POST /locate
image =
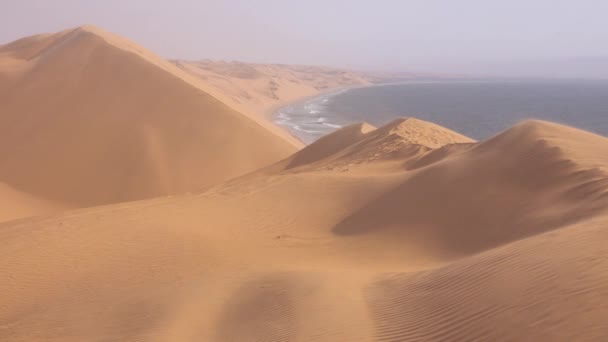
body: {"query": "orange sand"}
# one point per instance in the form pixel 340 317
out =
pixel 408 232
pixel 89 118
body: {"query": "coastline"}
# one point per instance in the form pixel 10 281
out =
pixel 269 114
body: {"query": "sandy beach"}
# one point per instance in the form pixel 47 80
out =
pixel 153 200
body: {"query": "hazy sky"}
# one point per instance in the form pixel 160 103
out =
pixel 480 36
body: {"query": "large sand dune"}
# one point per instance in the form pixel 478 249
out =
pixel 408 232
pixel 89 118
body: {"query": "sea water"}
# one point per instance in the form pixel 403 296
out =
pixel 478 109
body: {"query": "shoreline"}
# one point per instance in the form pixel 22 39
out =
pixel 269 113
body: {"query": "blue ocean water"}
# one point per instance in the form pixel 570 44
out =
pixel 479 109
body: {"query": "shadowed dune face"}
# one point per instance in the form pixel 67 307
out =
pixel 261 310
pixel 505 192
pixel 329 145
pixel 360 144
pixel 436 240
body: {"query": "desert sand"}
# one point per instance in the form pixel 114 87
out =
pixel 406 232
pixel 89 118
pixel 367 234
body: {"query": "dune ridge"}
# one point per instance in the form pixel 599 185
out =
pixel 89 118
pixel 436 238
pixel 361 143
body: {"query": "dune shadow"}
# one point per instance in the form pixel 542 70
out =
pixel 467 205
pixel 260 310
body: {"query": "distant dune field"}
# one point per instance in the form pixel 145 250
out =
pixel 406 232
pixel 258 88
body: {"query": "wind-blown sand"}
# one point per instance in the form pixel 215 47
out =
pixel 403 233
pixel 406 232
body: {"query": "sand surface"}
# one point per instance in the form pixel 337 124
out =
pixel 90 118
pixel 406 232
pixel 367 234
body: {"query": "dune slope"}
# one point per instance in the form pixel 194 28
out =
pixel 432 239
pixel 89 118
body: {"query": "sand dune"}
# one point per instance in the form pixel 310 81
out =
pixel 408 232
pixel 90 118
pixel 15 204
pixel 361 143
pixel 259 88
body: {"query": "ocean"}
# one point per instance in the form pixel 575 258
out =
pixel 478 109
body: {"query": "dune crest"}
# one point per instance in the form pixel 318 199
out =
pixel 435 238
pixel 89 118
pixel 360 144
